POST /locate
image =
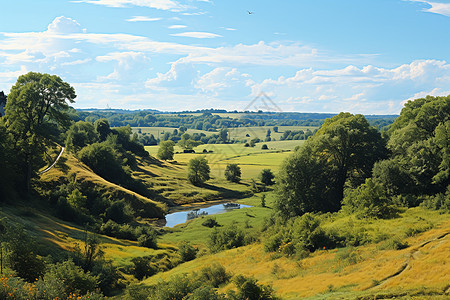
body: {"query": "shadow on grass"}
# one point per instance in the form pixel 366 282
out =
pixel 226 193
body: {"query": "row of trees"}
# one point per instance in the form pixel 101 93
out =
pixel 347 157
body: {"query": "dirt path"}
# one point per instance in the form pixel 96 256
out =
pixel 54 163
pixel 407 264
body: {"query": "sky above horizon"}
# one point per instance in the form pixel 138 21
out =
pixel 360 56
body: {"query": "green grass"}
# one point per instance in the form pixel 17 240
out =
pixel 252 160
pixel 197 234
pixel 239 133
pixel 334 274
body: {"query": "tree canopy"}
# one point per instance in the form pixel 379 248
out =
pixel 198 170
pixel 36 104
pixel 165 151
pixel 342 153
pixel 419 145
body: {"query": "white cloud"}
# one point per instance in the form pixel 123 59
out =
pixel 142 19
pixel 157 4
pixel 225 82
pixel 177 26
pixel 64 25
pixel 366 90
pixel 197 35
pixel 436 7
pixel 76 62
pixel 129 66
pixel 179 79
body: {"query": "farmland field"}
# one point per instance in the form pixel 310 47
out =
pixel 251 159
pixel 239 133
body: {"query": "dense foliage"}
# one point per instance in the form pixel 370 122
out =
pixel 341 154
pixel 233 173
pixel 36 106
pixel 198 170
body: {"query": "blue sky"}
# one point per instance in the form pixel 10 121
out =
pixel 361 56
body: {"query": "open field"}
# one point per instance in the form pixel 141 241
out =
pixel 239 133
pixel 251 160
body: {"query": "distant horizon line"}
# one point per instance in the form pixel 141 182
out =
pixel 218 110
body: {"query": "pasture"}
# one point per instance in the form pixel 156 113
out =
pixel 238 133
pixel 252 160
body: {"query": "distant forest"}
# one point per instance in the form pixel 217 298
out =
pixel 209 120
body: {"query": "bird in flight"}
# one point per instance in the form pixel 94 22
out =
pixel 250 12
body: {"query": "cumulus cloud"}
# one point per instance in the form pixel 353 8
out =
pixel 179 79
pixel 225 82
pixel 142 19
pixel 127 65
pixel 366 90
pixel 64 25
pixel 197 35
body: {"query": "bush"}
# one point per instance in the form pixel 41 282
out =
pixel 143 267
pixel 226 238
pixel 393 244
pixel 249 288
pixel 264 147
pixel 299 236
pixel 187 252
pixel 148 240
pixel 103 159
pixel 214 275
pixel 73 278
pixel 210 222
pixel 120 212
pixel 370 200
pixel 165 151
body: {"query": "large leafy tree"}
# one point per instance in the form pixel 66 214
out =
pixel 165 151
pixel 341 154
pixel 36 104
pixel 419 144
pixel 198 170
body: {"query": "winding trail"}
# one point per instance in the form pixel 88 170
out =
pixel 407 264
pixel 54 163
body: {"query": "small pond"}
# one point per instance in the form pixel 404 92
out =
pixel 182 216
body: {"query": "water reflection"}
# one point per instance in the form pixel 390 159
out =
pixel 182 216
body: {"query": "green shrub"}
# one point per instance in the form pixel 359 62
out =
pixel 210 222
pixel 214 275
pixel 370 200
pixel 249 288
pixel 187 252
pixel 74 279
pixel 393 244
pixel 148 239
pixel 143 267
pixel 226 238
pixel 267 177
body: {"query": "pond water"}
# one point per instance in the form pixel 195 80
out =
pixel 182 216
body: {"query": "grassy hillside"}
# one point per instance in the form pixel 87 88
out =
pixel 375 268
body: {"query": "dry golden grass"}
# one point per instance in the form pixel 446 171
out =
pixel 427 266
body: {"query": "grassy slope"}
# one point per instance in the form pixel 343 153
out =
pixel 325 274
pixel 69 164
pixel 338 273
